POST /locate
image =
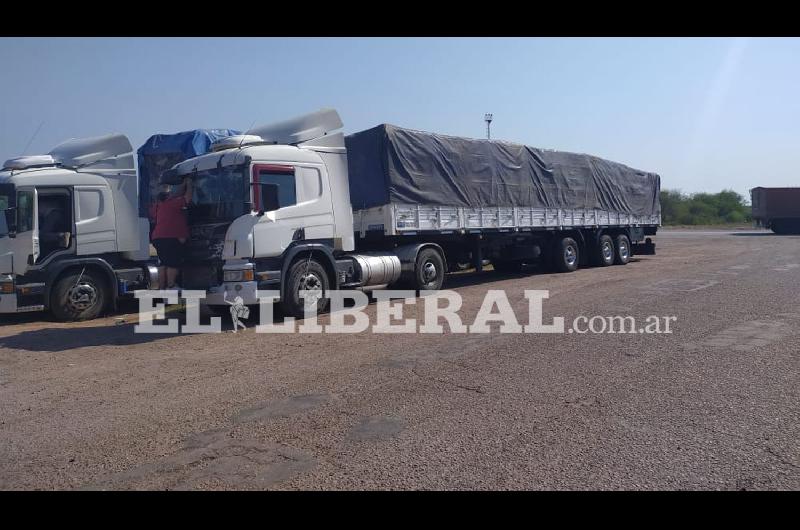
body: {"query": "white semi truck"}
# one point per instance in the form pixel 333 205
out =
pixel 296 206
pixel 273 210
pixel 71 240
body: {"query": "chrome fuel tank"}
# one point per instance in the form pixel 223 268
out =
pixel 377 269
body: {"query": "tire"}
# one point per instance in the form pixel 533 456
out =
pixel 306 274
pixel 566 255
pixel 79 296
pixel 604 252
pixel 622 250
pixel 428 271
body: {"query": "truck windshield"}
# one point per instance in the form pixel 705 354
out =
pixel 220 194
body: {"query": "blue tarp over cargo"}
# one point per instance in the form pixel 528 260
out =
pixel 162 151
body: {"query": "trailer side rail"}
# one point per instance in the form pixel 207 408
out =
pixel 398 219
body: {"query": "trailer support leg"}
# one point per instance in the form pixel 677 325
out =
pixel 477 254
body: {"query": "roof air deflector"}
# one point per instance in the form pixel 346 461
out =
pixel 300 129
pixel 112 151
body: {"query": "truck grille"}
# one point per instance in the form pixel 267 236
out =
pixel 201 277
pixel 206 242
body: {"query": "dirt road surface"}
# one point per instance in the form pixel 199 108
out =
pixel 713 405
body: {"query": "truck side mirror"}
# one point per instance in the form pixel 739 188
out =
pixel 269 197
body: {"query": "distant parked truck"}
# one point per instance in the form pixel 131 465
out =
pixel 777 209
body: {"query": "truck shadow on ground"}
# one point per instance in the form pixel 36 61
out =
pixel 487 277
pixel 66 337
pixel 120 330
pixel 472 277
pixel 762 234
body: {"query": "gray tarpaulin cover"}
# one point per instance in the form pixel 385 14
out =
pixel 391 164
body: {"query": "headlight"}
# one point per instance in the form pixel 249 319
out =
pixel 238 276
pixel 6 285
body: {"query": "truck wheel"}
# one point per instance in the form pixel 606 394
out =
pixel 604 254
pixel 429 270
pixel 622 246
pixel 565 255
pixel 305 275
pixel 78 296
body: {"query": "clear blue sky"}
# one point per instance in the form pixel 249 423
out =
pixel 706 114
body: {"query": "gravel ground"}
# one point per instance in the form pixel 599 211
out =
pixel 713 405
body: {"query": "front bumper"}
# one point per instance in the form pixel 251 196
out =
pixel 8 303
pixel 25 298
pixel 248 290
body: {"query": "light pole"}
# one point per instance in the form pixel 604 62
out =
pixel 488 119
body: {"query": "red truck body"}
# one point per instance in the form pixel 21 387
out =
pixel 777 209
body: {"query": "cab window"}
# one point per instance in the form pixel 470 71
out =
pixel 24 211
pixel 287 190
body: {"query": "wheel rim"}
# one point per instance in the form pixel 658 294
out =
pixel 312 285
pixel 429 272
pixel 608 251
pixel 82 296
pixel 570 255
pixel 623 249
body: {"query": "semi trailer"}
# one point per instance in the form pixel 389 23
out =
pixel 777 209
pixel 297 207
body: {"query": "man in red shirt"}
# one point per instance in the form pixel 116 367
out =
pixel 170 233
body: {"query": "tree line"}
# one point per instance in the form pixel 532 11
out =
pixel 727 206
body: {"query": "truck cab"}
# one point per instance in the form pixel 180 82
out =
pixel 70 238
pixel 262 199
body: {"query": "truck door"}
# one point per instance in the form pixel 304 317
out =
pixel 25 244
pixel 304 207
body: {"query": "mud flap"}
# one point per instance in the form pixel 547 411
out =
pixel 648 248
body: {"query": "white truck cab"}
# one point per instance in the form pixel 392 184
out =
pixel 289 182
pixel 70 237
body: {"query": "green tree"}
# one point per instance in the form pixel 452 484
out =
pixel 726 206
